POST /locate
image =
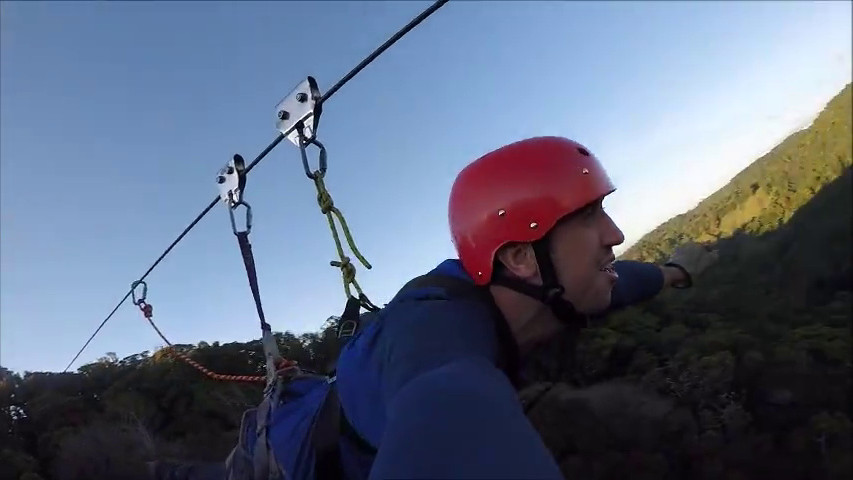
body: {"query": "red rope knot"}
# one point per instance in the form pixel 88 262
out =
pixel 285 367
pixel 147 309
pixel 285 363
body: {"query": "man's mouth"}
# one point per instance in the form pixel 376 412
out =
pixel 608 267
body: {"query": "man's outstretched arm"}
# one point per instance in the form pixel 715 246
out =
pixel 461 420
pixel 640 281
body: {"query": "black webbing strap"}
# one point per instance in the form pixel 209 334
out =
pixel 332 424
pixel 349 319
pixel 348 326
pixel 530 405
pixel 550 292
pixel 326 439
pixel 249 261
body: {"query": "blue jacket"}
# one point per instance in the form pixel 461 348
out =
pixel 420 383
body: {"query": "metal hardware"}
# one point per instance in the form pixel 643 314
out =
pixel 303 105
pixel 232 181
pixel 141 298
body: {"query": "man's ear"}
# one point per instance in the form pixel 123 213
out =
pixel 519 260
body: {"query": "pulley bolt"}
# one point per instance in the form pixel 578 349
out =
pixel 230 170
pixel 283 115
pixel 301 97
pixel 220 179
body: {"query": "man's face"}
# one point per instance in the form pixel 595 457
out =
pixel 582 252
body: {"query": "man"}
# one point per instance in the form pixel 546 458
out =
pixel 431 384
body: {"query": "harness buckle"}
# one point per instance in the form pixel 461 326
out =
pixel 347 328
pixel 553 293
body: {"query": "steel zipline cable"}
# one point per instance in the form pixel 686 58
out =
pixel 337 86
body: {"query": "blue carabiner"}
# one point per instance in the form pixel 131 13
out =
pixel 303 143
pixel 248 217
pixel 140 300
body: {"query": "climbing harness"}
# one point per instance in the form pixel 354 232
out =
pixel 349 320
pixel 327 208
pixel 232 184
pixel 299 113
pixel 284 367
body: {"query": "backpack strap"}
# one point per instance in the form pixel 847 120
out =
pixel 456 287
pixel 349 320
pixel 349 323
pixel 326 438
pixel 530 404
pixel 331 426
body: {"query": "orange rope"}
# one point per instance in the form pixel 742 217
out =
pixel 284 366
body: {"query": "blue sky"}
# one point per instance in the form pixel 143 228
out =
pixel 116 116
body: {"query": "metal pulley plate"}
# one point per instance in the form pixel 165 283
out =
pixel 231 181
pixel 300 105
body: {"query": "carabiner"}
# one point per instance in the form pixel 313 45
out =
pixel 248 217
pixel 323 157
pixel 140 300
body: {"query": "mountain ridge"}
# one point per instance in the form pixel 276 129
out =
pixel 836 114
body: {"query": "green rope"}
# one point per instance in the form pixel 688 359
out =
pixel 327 207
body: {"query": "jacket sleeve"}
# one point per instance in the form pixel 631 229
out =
pixel 450 412
pixel 461 420
pixel 638 282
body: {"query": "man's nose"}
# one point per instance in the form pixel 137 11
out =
pixel 612 234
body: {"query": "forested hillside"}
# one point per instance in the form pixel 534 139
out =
pixel 747 375
pixel 765 195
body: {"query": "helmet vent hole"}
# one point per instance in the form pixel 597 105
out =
pixel 583 151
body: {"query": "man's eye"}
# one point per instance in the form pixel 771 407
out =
pixel 593 210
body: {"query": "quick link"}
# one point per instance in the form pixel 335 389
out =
pixel 248 217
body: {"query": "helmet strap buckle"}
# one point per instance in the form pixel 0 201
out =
pixel 553 293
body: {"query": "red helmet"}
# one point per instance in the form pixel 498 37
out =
pixel 517 193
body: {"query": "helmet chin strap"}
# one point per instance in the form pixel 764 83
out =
pixel 550 292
